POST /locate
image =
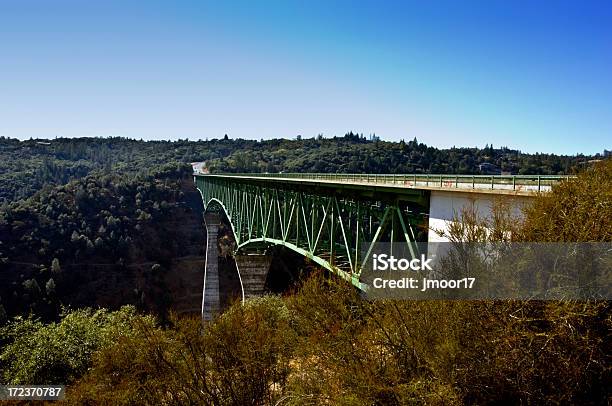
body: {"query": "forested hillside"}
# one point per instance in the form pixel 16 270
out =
pixel 106 239
pixel 27 166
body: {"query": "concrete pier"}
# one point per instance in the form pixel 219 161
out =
pixel 210 290
pixel 253 270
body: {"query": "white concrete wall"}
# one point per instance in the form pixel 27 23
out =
pixel 444 205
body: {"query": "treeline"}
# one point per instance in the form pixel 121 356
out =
pixel 27 166
pixel 348 155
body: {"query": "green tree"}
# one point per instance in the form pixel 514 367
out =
pixel 50 287
pixel 32 288
pixel 55 266
pixel 156 269
pixel 3 315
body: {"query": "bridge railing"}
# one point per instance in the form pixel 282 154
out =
pixel 534 183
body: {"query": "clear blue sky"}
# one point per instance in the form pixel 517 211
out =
pixel 533 75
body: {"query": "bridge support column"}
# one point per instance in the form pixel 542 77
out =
pixel 210 291
pixel 253 270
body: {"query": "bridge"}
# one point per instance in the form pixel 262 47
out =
pixel 335 220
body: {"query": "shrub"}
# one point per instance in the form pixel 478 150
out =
pixel 58 353
pixel 240 358
pixel 577 210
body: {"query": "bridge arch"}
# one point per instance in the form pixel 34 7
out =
pixel 216 202
pixel 335 227
pixel 245 245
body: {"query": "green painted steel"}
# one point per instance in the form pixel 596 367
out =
pixel 336 225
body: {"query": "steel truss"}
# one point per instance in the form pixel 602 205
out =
pixel 335 228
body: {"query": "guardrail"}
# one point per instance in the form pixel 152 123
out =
pixel 491 182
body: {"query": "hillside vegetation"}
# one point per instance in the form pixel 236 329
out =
pixel 324 344
pixel 103 239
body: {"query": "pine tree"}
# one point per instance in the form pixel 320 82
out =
pixel 55 266
pixel 50 287
pixel 3 315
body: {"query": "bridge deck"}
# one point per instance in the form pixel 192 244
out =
pixel 497 184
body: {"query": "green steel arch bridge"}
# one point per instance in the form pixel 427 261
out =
pixel 336 219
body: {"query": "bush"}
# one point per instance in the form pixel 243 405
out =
pixel 324 344
pixel 577 210
pixel 58 353
pixel 241 358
